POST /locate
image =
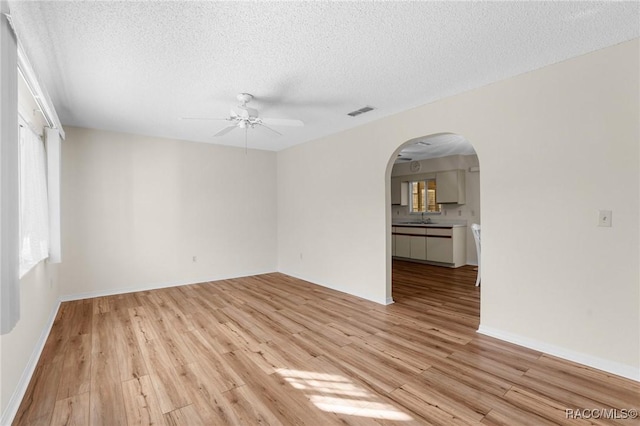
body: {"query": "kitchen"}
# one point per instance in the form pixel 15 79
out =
pixel 435 197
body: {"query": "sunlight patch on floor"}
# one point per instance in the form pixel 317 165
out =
pixel 337 394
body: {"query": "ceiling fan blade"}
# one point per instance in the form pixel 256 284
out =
pixel 282 122
pixel 202 118
pixel 262 126
pixel 225 130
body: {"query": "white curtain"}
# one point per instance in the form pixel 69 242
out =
pixel 9 212
pixel 34 207
pixel 52 143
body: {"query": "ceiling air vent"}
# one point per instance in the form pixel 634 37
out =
pixel 361 111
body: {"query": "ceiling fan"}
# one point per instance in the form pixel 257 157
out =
pixel 248 118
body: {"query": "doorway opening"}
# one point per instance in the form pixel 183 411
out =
pixel 434 188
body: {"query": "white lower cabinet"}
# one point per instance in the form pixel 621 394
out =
pixel 411 243
pixel 403 246
pixel 446 246
pixel 418 248
pixel 440 249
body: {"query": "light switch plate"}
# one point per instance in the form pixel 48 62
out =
pixel 604 218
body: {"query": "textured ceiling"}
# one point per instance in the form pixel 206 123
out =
pixel 138 66
pixel 435 146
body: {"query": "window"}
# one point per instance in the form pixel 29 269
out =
pixel 34 214
pixel 423 196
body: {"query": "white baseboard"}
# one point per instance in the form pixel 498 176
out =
pixel 14 403
pixel 146 287
pixel 612 367
pixel 386 301
pixel 21 388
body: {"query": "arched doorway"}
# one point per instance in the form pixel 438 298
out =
pixel 433 224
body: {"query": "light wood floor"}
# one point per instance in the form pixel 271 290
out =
pixel 272 349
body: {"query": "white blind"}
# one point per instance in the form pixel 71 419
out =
pixel 34 206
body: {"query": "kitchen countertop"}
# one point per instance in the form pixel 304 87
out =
pixel 429 225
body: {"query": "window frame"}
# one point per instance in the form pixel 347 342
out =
pixel 426 190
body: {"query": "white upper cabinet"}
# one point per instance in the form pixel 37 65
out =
pixel 450 187
pixel 399 192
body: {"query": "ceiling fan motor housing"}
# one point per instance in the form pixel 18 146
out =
pixel 243 98
pixel 246 112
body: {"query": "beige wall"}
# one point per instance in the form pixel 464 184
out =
pixel 20 348
pixel 555 145
pixel 135 210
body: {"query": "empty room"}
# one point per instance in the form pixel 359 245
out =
pixel 318 213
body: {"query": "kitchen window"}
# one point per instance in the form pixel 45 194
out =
pixel 423 197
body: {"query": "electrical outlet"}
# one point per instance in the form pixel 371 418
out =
pixel 604 218
pixel 459 212
pixel 195 259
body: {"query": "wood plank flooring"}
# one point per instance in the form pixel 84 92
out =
pixel 275 350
